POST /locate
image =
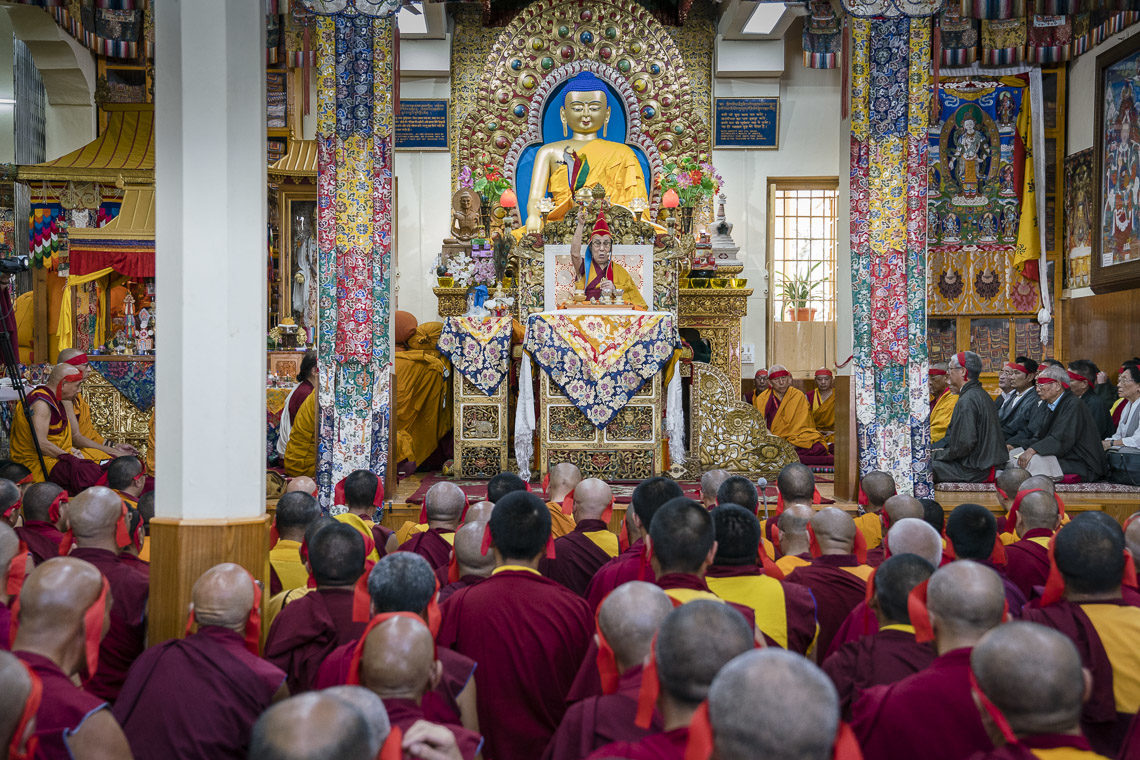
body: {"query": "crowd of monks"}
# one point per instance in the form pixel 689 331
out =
pixel 522 627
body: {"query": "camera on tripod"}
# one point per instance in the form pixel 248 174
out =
pixel 13 264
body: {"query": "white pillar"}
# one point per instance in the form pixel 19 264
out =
pixel 211 265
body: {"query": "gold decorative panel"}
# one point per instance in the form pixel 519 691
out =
pixel 567 423
pixel 634 423
pixel 481 425
pixel 114 416
pixel 718 314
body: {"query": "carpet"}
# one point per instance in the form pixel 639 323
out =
pixel 1060 488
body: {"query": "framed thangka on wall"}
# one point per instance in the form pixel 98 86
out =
pixel 1078 218
pixel 1116 242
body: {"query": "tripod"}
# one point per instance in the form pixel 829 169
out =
pixel 11 367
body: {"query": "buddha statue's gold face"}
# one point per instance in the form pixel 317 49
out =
pixel 585 112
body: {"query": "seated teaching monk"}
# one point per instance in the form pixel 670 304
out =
pixel 63 610
pixel 1068 441
pixel 892 653
pixel 443 507
pixel 974 444
pixel 788 415
pixel 422 383
pixel 942 401
pixel 627 624
pixel 85 436
pixel 199 696
pixel 695 641
pixel 362 494
pixel 581 553
pixel 598 274
pixel 821 401
pixel 564 478
pixel 468 565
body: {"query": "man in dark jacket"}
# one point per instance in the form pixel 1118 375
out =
pixel 1069 433
pixel 974 443
pixel 1082 378
pixel 1020 414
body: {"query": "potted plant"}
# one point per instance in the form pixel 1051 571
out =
pixel 797 290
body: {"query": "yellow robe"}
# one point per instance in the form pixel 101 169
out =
pixel 301 452
pixel 560 524
pixel 793 421
pixel 871 526
pixel 364 527
pixel 409 529
pixel 940 415
pixel 87 429
pixel 150 445
pixel 622 281
pixel 23 450
pixel 25 324
pixel 423 416
pixel 613 164
pixel 823 414
pixel 285 558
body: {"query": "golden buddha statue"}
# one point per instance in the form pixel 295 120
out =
pixel 563 167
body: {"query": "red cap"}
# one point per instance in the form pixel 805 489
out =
pixel 77 361
pixel 778 374
pixel 600 226
pixel 824 372
pixel 27 713
pixel 919 615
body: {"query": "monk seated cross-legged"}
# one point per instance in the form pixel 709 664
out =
pixel 200 696
pixel 85 435
pixel 315 726
pixel 1027 560
pixel 627 623
pixel 363 494
pixel 564 478
pixel 582 552
pixel 468 565
pixel 821 401
pixel 792 538
pixel 971 533
pixel 443 507
pixel 41 503
pixel 788 415
pixel 295 511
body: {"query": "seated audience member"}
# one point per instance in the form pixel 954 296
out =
pixel 1123 444
pixel 627 624
pixel 582 552
pixel 1082 378
pixel 942 401
pixel 1007 483
pixel 773 704
pixel 199 696
pixel 443 507
pixel 310 627
pixel 934 515
pixel 1102 621
pixel 785 612
pixel 398 664
pixel 421 417
pixel 792 538
pixel 710 483
pixel 1020 415
pixel 62 609
pixel 315 726
pixel 821 401
pixel 794 485
pixel 294 513
pixel 972 534
pixel 468 565
pixel 759 384
pixel 564 478
pixel 741 491
pixel 1027 560
pixel 1032 483
pixel 695 641
pixel 892 653
pixel 528 633
pixel 127 477
pixel 898 507
pixel 307 378
pixel 503 484
pixel 788 416
pixel 363 495
pixel 1067 441
pixel 974 444
pixel 837 577
pixel 42 502
pixel 9 502
pixel 964 600
pixel 1038 698
pixel 876 486
pixel 301 450
pixel 20 699
pixel 15 563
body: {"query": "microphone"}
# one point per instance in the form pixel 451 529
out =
pixel 762 487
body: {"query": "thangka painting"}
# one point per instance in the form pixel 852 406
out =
pixel 1116 244
pixel 1078 218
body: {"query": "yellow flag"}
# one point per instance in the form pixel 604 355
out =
pixel 1028 236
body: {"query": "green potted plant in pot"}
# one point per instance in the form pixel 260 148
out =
pixel 797 290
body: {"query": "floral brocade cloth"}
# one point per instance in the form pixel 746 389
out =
pixel 135 380
pixel 479 349
pixel 600 360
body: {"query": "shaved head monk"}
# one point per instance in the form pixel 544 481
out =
pixel 310 627
pixel 295 510
pixel 444 505
pixel 503 484
pixel 95 517
pixel 1027 560
pixel 710 484
pixel 877 486
pixel 564 480
pixel 1100 618
pixel 627 621
pixel 528 633
pixel 895 508
pixel 964 600
pixel 57 641
pixel 39 530
pixel 371 707
pixel 398 663
pixel 313 726
pixel 796 487
pixel 11 562
pixel 772 704
pixel 1040 696
pixel 972 533
pixel 785 612
pixel 15 472
pixel 582 552
pixel 471 565
pixel 695 641
pixel 9 501
pixel 363 494
pixel 480 511
pixel 836 576
pixel 792 537
pixel 1007 528
pixel 633 563
pixel 892 653
pixel 303 484
pixel 1007 483
pixel 200 696
pixel 16 727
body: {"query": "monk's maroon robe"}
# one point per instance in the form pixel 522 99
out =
pixel 577 558
pixel 877 556
pixel 930 715
pixel 1102 724
pixel 1027 562
pixel 404 712
pixel 42 538
pixel 630 565
pixel 600 720
pixel 1131 748
pixel 799 605
pixel 860 622
pixel 1078 746
pixel 529 636
pixel 669 745
pixel 74 474
pixel 307 630
pixel 196 697
pixel 885 657
pixel 380 536
pixel 447 589
pixel 836 592
pixel 63 708
pixel 431 545
pixel 126 638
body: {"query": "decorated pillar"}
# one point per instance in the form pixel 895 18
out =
pixel 890 101
pixel 354 42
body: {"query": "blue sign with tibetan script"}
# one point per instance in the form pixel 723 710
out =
pixel 747 123
pixel 422 125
